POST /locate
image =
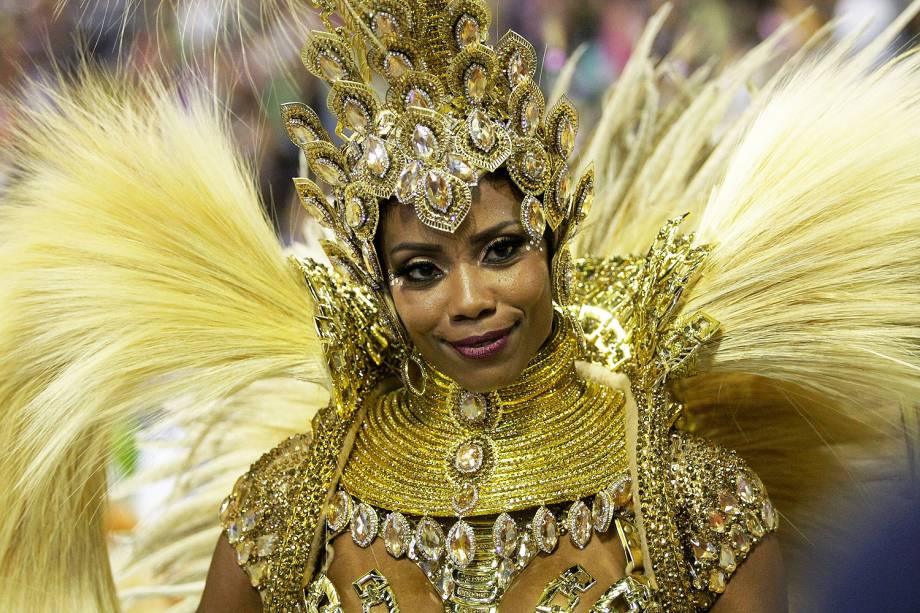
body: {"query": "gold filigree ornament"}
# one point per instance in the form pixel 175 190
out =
pixel 424 106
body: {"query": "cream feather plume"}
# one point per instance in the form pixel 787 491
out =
pixel 814 276
pixel 811 200
pixel 136 268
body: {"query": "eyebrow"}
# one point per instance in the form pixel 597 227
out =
pixel 479 237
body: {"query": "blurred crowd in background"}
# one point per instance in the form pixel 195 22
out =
pixel 38 35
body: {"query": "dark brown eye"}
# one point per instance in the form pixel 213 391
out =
pixel 504 249
pixel 419 272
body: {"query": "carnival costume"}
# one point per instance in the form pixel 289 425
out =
pixel 139 273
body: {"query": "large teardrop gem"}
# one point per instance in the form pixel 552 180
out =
pixel 424 141
pixel 517 69
pixel 602 511
pixel 482 131
pixel 545 530
pixel 461 545
pixel 437 190
pixel 396 534
pixel 407 185
pixel 303 135
pixel 354 213
pixel 467 30
pixel 339 511
pixel 364 525
pixel 459 168
pixel 530 116
pixel 356 115
pixel 397 64
pixel 505 535
pixel 331 67
pixel 565 136
pixel 621 491
pixel 475 81
pixel 384 24
pixel 376 156
pixel 328 171
pixel 429 539
pixel 527 549
pixel 419 98
pixel 579 524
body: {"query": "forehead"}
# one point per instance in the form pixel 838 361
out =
pixel 494 201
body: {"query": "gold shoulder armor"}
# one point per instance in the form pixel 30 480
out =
pixel 254 515
pixel 724 512
pixel 628 309
pixel 357 345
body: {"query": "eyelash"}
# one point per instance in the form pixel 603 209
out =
pixel 515 242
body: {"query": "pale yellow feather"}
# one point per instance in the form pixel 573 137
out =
pixel 136 267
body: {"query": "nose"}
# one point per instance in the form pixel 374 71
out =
pixel 470 297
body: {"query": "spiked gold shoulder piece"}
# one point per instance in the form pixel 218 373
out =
pixel 424 106
pixel 357 342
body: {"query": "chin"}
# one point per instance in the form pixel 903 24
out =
pixel 487 379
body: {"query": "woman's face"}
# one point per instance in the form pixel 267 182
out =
pixel 476 303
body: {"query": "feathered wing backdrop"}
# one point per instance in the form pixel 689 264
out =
pixel 810 199
pixel 137 274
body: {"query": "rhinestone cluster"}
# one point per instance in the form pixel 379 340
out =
pixel 505 547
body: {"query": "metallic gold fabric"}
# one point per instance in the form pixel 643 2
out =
pixel 557 439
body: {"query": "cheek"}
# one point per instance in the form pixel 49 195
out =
pixel 418 310
pixel 528 285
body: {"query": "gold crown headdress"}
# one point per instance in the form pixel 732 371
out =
pixel 453 108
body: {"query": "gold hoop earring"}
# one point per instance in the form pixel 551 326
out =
pixel 406 375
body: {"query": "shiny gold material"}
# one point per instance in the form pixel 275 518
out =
pixel 544 415
pixel 374 590
pixel 693 496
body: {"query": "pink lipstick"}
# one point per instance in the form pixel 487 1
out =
pixel 484 345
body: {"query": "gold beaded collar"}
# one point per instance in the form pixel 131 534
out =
pixel 547 438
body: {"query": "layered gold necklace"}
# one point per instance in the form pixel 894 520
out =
pixel 548 438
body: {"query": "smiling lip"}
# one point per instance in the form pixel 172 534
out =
pixel 483 346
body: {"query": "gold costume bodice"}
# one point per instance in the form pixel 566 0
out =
pixel 518 500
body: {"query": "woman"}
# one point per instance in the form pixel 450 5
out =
pixel 478 306
pixel 501 418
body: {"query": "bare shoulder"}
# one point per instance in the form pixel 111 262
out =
pixel 253 518
pixel 228 587
pixel 759 584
